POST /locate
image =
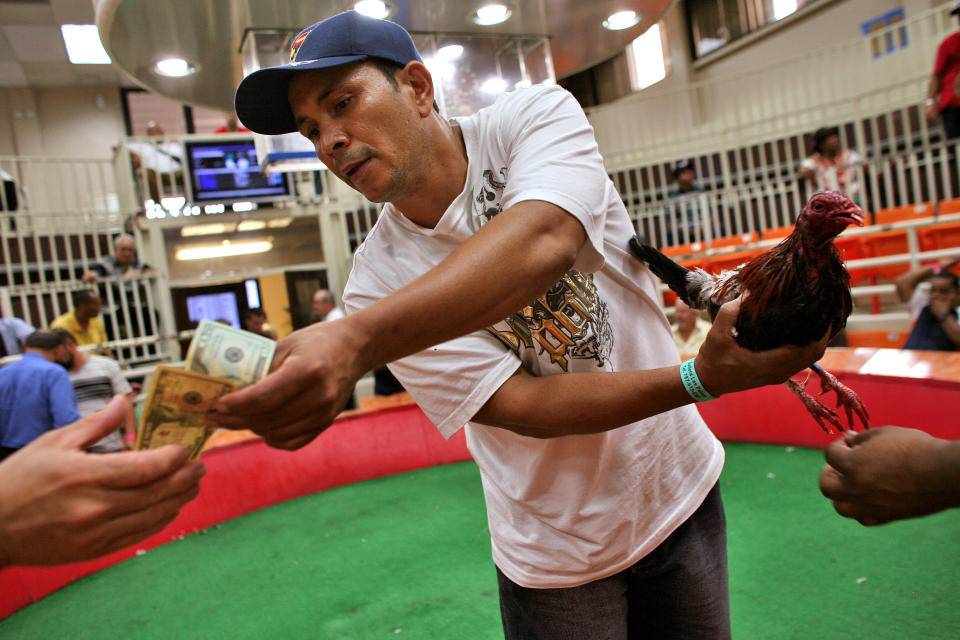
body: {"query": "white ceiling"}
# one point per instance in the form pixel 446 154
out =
pixel 32 53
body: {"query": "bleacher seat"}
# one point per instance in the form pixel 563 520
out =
pixel 888 243
pixel 945 235
pixel 777 233
pixel 877 339
pixel 948 207
pixel 854 248
pixel 907 212
pixel 733 241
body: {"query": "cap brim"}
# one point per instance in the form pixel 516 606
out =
pixel 261 99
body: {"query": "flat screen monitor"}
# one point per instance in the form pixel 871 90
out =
pixel 214 306
pixel 226 171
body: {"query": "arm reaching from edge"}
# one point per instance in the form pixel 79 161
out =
pixel 59 504
pixel 594 402
pixel 532 243
pixel 891 473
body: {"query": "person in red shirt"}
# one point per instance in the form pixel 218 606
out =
pixel 230 126
pixel 942 98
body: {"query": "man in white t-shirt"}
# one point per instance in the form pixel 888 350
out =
pixel 96 380
pixel 324 308
pixel 831 167
pixel 498 284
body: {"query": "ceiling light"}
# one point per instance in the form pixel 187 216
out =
pixel 440 68
pixel 83 44
pixel 174 67
pixel 494 85
pixel 450 52
pixel 207 229
pixel 224 250
pixel 251 225
pixel 372 9
pixel 491 14
pixel 622 20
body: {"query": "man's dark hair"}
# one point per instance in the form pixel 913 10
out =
pixel 65 336
pixel 82 297
pixel 952 277
pixel 45 339
pixel 389 69
pixel 251 313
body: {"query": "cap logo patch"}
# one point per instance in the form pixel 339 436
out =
pixel 297 43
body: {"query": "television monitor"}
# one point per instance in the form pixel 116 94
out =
pixel 226 171
pixel 214 306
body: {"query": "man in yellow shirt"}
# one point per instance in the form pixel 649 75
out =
pixel 84 321
pixel 689 329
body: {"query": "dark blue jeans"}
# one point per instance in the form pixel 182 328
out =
pixel 678 591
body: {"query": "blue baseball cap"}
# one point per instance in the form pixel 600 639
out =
pixel 261 99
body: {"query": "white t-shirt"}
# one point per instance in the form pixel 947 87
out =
pixel 333 314
pixel 95 384
pixel 562 511
pixel 840 174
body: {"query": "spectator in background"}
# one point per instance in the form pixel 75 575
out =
pixel 83 321
pixel 13 331
pixel 689 329
pixel 35 394
pixel 687 211
pixel 934 314
pixel 96 380
pixel 942 101
pixel 324 308
pixel 160 160
pixel 230 125
pixel 830 167
pixel 255 321
pixel 59 504
pixel 123 263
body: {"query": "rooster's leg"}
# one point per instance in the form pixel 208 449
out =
pixel 846 398
pixel 817 409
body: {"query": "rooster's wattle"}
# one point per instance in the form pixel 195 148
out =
pixel 794 294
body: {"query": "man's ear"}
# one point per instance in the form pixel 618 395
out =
pixel 418 78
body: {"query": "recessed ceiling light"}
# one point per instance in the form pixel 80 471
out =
pixel 207 229
pixel 494 85
pixel 622 20
pixel 373 8
pixel 450 52
pixel 174 67
pixel 252 225
pixel 492 14
pixel 224 250
pixel 83 44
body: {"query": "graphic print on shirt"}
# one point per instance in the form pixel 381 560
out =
pixel 569 322
pixel 487 201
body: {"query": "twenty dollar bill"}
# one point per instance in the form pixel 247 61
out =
pixel 221 351
pixel 177 404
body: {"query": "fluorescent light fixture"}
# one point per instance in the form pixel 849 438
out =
pixel 450 52
pixel 783 8
pixel 491 14
pixel 494 85
pixel 251 225
pixel 83 44
pixel 279 223
pixel 174 67
pixel 214 208
pixel 372 8
pixel 224 250
pixel 622 20
pixel 240 207
pixel 207 229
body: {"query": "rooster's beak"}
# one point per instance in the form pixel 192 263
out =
pixel 854 216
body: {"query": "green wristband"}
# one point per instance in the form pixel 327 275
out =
pixel 691 382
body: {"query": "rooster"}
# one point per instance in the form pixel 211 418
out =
pixel 795 293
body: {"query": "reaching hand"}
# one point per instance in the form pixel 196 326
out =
pixel 891 473
pixel 60 504
pixel 723 366
pixel 313 374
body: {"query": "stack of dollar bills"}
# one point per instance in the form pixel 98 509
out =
pixel 220 359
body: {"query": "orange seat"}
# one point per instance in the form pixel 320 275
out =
pixel 939 236
pixel 949 206
pixel 906 212
pixel 888 243
pixel 877 339
pixel 854 248
pixel 683 249
pixel 777 233
pixel 733 241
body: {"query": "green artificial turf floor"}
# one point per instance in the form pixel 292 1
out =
pixel 408 557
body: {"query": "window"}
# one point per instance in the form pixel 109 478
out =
pixel 716 23
pixel 646 60
pixel 883 35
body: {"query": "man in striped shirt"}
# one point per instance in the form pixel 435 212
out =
pixel 96 379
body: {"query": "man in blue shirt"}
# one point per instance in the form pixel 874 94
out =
pixel 35 393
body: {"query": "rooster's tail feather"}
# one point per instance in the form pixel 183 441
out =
pixel 674 275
